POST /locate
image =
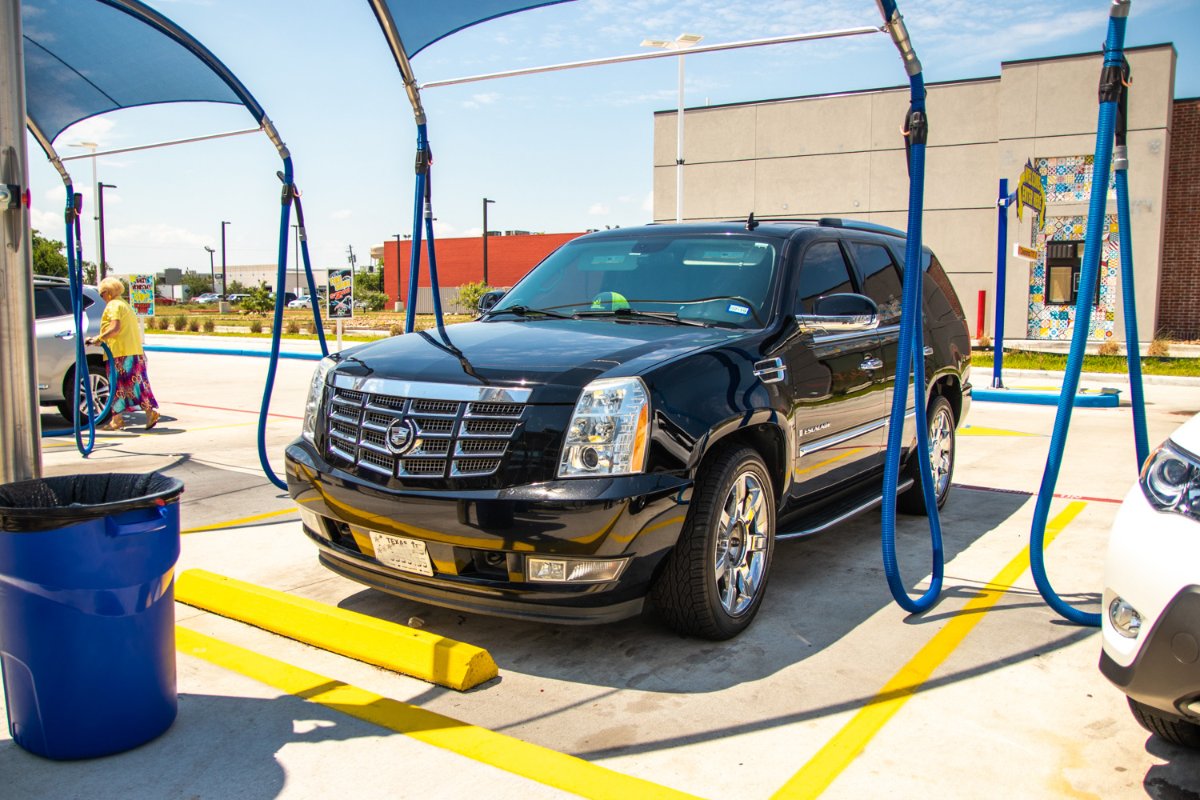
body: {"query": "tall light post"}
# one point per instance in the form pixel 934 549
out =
pixel 91 147
pixel 212 271
pixel 224 276
pixel 485 238
pixel 682 42
pixel 100 187
pixel 399 279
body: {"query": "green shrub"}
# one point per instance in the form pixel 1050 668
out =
pixel 374 301
pixel 469 294
pixel 259 299
pixel 181 322
pixel 256 326
pixel 210 325
pixel 396 330
pixel 293 327
pixel 194 325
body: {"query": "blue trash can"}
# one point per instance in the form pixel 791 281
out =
pixel 87 611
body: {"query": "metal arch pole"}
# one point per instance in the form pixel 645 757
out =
pixel 597 62
pixel 1001 281
pixel 170 143
pixel 679 149
pixel 20 422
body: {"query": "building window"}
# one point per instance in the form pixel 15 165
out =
pixel 1064 262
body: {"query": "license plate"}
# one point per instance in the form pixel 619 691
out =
pixel 409 555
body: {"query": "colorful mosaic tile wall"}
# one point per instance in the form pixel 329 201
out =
pixel 1067 179
pixel 1057 321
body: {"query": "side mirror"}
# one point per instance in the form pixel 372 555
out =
pixel 489 300
pixel 840 313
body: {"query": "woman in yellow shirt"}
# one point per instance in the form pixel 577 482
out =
pixel 119 330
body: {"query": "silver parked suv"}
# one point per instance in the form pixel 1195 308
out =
pixel 56 343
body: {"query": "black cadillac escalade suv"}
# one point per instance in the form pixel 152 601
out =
pixel 641 418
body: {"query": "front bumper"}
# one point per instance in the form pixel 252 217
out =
pixel 1165 674
pixel 478 541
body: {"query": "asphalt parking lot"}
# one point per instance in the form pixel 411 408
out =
pixel 835 690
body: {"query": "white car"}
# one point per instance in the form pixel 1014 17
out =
pixel 1151 612
pixel 304 301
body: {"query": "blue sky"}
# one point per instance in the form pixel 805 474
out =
pixel 558 152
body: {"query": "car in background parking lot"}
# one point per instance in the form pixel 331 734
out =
pixel 304 301
pixel 55 335
pixel 208 297
pixel 236 298
pixel 1151 610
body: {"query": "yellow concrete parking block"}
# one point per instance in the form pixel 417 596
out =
pixel 532 761
pixel 978 430
pixel 423 655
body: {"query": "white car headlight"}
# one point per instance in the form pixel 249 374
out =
pixel 316 393
pixel 609 430
pixel 1171 481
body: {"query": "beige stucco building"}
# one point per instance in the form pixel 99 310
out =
pixel 843 155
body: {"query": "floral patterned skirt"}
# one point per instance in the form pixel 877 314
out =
pixel 133 387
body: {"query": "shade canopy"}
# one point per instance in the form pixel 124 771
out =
pixel 87 57
pixel 421 23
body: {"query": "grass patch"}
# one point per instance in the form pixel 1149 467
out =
pixel 1057 362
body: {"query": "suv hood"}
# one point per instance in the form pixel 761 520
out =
pixel 555 358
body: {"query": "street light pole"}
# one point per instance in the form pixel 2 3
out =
pixel 91 147
pixel 682 42
pixel 296 262
pixel 485 238
pixel 224 275
pixel 100 187
pixel 212 271
pixel 398 276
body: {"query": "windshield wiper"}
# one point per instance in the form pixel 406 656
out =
pixel 631 313
pixel 525 311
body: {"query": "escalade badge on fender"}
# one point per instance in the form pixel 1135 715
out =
pixel 401 436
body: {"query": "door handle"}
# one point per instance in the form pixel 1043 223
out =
pixel 871 363
pixel 928 351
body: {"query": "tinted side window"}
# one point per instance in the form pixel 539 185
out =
pixel 881 280
pixel 46 301
pixel 822 272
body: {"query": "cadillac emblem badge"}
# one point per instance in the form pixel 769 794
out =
pixel 401 436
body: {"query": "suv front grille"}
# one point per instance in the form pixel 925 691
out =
pixel 453 438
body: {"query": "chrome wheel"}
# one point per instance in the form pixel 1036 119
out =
pixel 941 449
pixel 740 555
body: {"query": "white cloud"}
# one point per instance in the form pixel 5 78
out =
pixel 342 213
pixel 155 235
pixel 482 99
pixel 599 209
pixel 47 223
pixel 93 129
pixel 442 230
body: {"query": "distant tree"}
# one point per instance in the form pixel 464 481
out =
pixel 368 282
pixel 236 287
pixel 259 299
pixel 374 301
pixel 469 294
pixel 196 284
pixel 49 256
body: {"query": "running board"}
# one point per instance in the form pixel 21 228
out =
pixel 844 515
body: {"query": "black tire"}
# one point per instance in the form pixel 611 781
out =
pixel 698 593
pixel 1166 726
pixel 98 371
pixel 942 444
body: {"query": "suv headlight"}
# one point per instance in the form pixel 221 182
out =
pixel 608 431
pixel 1171 481
pixel 316 393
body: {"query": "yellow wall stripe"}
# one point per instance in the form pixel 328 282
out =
pixel 837 754
pixel 532 761
pixel 409 651
pixel 237 523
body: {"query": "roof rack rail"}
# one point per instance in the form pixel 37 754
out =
pixel 52 279
pixel 859 225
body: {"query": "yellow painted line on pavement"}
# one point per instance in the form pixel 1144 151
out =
pixel 532 761
pixel 420 654
pixel 240 521
pixel 840 751
pixel 979 430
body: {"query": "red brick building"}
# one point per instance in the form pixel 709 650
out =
pixel 460 261
pixel 1179 291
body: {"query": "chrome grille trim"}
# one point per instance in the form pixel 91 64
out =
pixel 461 431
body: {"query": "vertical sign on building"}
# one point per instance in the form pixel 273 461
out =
pixel 141 294
pixel 1031 195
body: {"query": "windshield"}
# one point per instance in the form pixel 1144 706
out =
pixel 717 280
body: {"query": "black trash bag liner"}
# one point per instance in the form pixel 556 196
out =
pixel 47 503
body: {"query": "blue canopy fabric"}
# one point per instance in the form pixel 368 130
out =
pixel 87 57
pixel 421 23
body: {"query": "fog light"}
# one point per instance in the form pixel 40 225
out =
pixel 573 570
pixel 1124 618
